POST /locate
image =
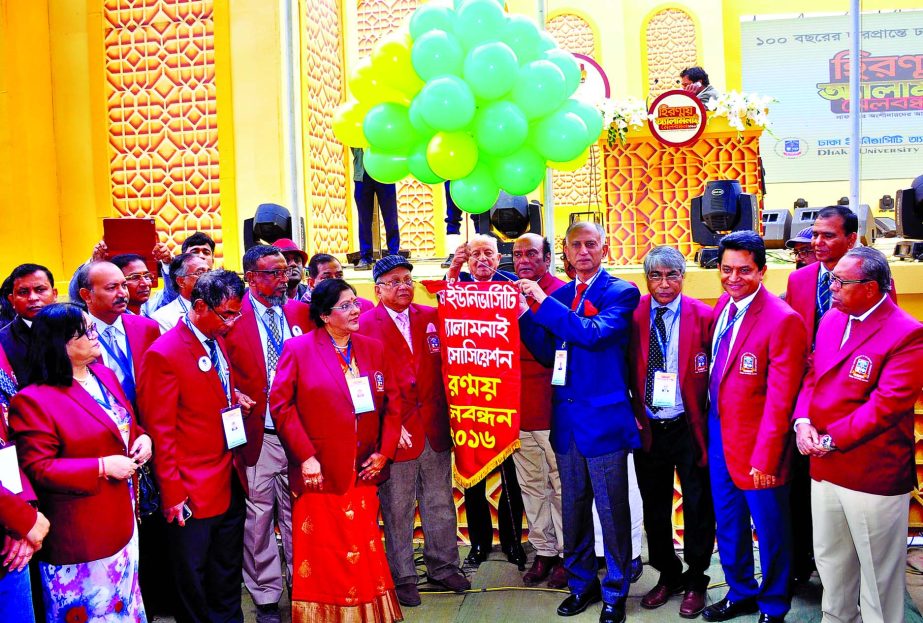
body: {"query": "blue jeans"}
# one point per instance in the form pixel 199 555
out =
pixel 16 597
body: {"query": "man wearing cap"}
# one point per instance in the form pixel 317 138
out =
pixel 801 248
pixel 422 469
pixel 254 345
pixel 296 260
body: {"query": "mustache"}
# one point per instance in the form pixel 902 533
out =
pixel 119 300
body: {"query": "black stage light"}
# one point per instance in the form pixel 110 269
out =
pixel 723 208
pixel 270 222
pixel 509 218
pixel 886 203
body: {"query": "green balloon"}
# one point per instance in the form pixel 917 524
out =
pixel 477 192
pixel 521 34
pixel 566 62
pixel 446 103
pixel 590 115
pixel 521 172
pixel 387 128
pixel 437 53
pixel 539 89
pixel 419 166
pixel 431 17
pixel 458 3
pixel 384 167
pixel 417 121
pixel 491 70
pixel 560 137
pixel 500 128
pixel 546 42
pixel 479 21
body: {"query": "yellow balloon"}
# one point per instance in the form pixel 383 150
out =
pixel 347 123
pixel 370 89
pixel 391 64
pixel 571 165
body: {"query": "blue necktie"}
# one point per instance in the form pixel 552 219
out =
pixel 216 362
pixel 122 361
pixel 823 298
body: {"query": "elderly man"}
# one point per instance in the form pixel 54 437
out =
pixel 422 470
pixel 295 259
pixel 669 355
pixel 185 271
pixel 758 357
pixel 536 466
pixel 254 345
pixel 483 260
pixel 583 330
pixel 191 410
pixel 32 289
pixel 854 418
pixel 139 280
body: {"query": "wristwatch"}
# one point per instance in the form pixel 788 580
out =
pixel 826 442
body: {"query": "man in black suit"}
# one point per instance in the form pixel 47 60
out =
pixel 33 288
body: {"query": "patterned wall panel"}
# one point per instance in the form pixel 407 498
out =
pixel 580 187
pixel 323 86
pixel 416 214
pixel 162 114
pixel 670 37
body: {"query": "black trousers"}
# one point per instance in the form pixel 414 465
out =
pixel 208 557
pixel 802 522
pixel 509 511
pixel 672 448
pixel 155 571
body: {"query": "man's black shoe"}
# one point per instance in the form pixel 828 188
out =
pixel 726 609
pixel 613 613
pixel 477 555
pixel 575 604
pixel 768 618
pixel 516 555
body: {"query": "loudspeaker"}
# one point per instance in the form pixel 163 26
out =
pixel 867 231
pixel 804 217
pixel 909 215
pixel 777 228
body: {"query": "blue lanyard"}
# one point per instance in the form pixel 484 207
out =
pixel 347 359
pixel 660 338
pixel 104 403
pixel 123 359
pixel 224 377
pixel 727 327
pixel 276 345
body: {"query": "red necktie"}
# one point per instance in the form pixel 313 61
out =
pixel 581 288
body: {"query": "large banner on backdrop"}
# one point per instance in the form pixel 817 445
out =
pixel 479 330
pixel 804 64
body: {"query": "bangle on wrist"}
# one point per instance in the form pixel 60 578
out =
pixel 103 463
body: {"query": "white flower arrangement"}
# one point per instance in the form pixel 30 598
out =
pixel 742 109
pixel 622 115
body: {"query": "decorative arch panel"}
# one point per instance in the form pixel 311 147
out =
pixel 670 47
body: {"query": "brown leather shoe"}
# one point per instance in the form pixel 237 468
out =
pixel 558 576
pixel 659 595
pixel 693 604
pixel 454 582
pixel 541 567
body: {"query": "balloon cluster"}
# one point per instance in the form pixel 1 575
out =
pixel 470 95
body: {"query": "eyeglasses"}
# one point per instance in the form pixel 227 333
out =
pixel 227 317
pixel 845 282
pixel 396 283
pixel 138 277
pixel 801 253
pixel 91 333
pixel 672 277
pixel 345 307
pixel 195 274
pixel 278 273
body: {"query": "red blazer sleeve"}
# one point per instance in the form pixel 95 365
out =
pixel 787 351
pixel 890 401
pixel 39 446
pixel 158 402
pixel 16 515
pixel 282 403
pixel 391 418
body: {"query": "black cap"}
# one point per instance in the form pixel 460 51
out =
pixel 389 263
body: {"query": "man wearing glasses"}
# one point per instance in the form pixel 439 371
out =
pixel 422 469
pixel 669 356
pixel 139 281
pixel 189 406
pixel 254 345
pixel 854 418
pixel 801 249
pixel 185 270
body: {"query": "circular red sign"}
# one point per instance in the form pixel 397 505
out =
pixel 677 118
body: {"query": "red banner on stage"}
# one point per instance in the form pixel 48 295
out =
pixel 479 330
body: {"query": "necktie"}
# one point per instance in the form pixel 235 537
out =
pixel 216 362
pixel 127 379
pixel 581 288
pixel 721 357
pixel 272 357
pixel 655 357
pixel 403 323
pixel 823 299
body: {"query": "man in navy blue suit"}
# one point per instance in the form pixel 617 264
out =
pixel 583 331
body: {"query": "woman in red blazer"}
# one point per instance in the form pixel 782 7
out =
pixel 337 411
pixel 80 445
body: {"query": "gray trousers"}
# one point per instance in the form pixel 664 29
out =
pixel 269 501
pixel 426 480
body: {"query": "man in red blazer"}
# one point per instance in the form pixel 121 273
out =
pixel 323 266
pixel 536 465
pixel 670 341
pixel 422 469
pixel 186 399
pixel 854 417
pixel 758 357
pixel 254 345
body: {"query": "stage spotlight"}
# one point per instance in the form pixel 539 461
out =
pixel 509 218
pixel 269 223
pixel 886 203
pixel 800 202
pixel 723 208
pixel 909 217
pixel 843 201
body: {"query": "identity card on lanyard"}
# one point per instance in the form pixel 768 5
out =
pixel 559 371
pixel 9 468
pixel 360 390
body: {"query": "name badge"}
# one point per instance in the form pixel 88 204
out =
pixel 664 394
pixel 9 469
pixel 233 420
pixel 361 393
pixel 559 372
